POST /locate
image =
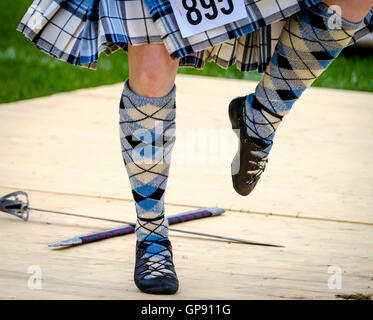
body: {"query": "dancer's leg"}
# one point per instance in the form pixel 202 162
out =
pixel 147 131
pixel 308 44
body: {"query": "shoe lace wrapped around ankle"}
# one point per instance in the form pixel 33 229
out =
pixel 259 154
pixel 155 259
pixel 260 160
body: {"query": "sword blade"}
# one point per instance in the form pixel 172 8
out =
pixel 237 240
pixel 67 243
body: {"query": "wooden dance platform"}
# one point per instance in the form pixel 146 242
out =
pixel 315 198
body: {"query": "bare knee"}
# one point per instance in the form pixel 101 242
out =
pixel 154 77
pixel 152 70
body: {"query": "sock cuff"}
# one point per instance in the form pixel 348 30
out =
pixel 324 10
pixel 138 100
pixel 159 217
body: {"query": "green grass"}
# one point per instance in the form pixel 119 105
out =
pixel 26 72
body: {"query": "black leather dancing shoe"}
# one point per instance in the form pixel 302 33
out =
pixel 251 157
pixel 154 269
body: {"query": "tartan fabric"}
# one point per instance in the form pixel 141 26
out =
pixel 249 42
pixel 77 31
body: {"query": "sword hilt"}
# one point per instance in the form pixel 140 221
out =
pixel 16 204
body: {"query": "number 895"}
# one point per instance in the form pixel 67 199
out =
pixel 194 16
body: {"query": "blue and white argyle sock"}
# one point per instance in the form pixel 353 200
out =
pixel 307 46
pixel 147 134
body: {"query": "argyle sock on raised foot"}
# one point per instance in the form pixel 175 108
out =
pixel 306 47
pixel 308 44
pixel 147 134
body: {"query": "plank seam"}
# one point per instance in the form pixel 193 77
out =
pixel 280 215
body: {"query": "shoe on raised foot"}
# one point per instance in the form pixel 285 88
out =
pixel 251 157
pixel 154 269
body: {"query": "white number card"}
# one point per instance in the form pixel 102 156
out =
pixel 195 16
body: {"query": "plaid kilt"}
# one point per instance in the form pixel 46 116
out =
pixel 77 31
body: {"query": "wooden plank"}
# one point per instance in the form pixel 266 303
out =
pixel 64 151
pixel 207 269
pixel 319 167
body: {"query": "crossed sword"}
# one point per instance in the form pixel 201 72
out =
pixel 17 204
